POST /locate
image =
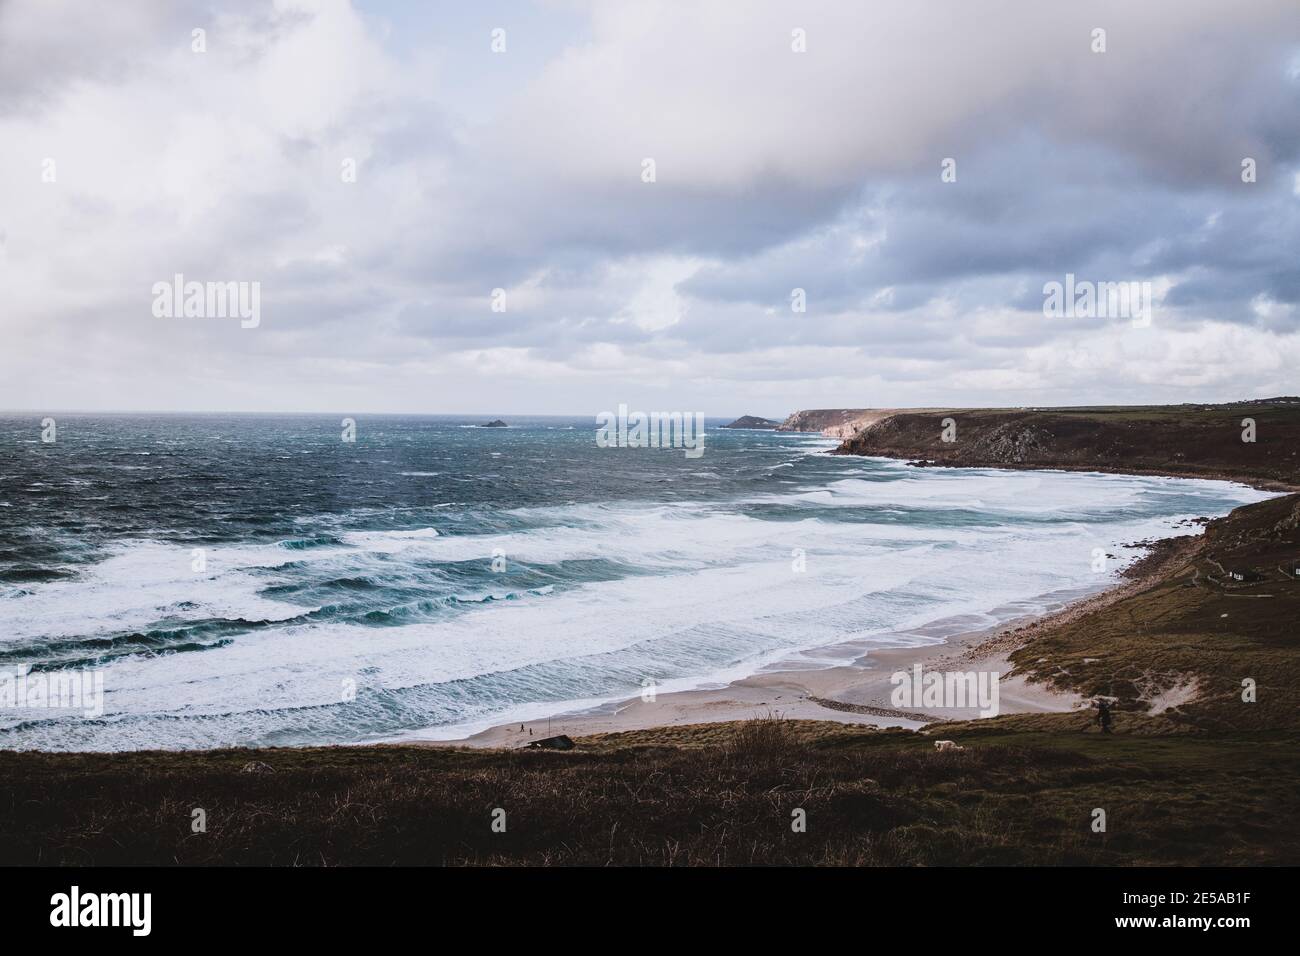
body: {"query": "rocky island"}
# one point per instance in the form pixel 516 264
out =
pixel 753 421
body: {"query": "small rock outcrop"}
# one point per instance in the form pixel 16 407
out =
pixel 1017 443
pixel 753 421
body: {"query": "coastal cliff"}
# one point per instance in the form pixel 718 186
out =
pixel 1256 442
pixel 821 419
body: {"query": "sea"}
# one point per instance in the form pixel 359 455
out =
pixel 259 580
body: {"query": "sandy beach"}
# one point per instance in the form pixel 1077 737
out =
pixel 856 693
pixel 860 692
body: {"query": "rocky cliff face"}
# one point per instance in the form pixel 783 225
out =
pixel 821 419
pixel 1195 441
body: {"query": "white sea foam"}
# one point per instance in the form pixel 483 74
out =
pixel 141 583
pixel 715 593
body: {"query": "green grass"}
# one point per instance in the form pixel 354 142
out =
pixel 1187 627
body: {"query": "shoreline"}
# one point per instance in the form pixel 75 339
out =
pixel 1258 484
pixel 857 693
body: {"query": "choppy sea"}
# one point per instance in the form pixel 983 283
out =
pixel 255 580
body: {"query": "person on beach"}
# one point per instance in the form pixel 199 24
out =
pixel 1103 715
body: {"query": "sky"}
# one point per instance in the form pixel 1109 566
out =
pixel 920 169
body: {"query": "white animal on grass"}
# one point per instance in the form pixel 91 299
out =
pixel 947 745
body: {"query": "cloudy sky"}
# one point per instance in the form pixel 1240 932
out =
pixel 522 170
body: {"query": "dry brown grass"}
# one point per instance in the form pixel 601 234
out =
pixel 1016 795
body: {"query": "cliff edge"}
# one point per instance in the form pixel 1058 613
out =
pixel 1257 442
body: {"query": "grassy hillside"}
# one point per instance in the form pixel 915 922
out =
pixel 1197 633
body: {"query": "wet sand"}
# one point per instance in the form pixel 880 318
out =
pixel 856 693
